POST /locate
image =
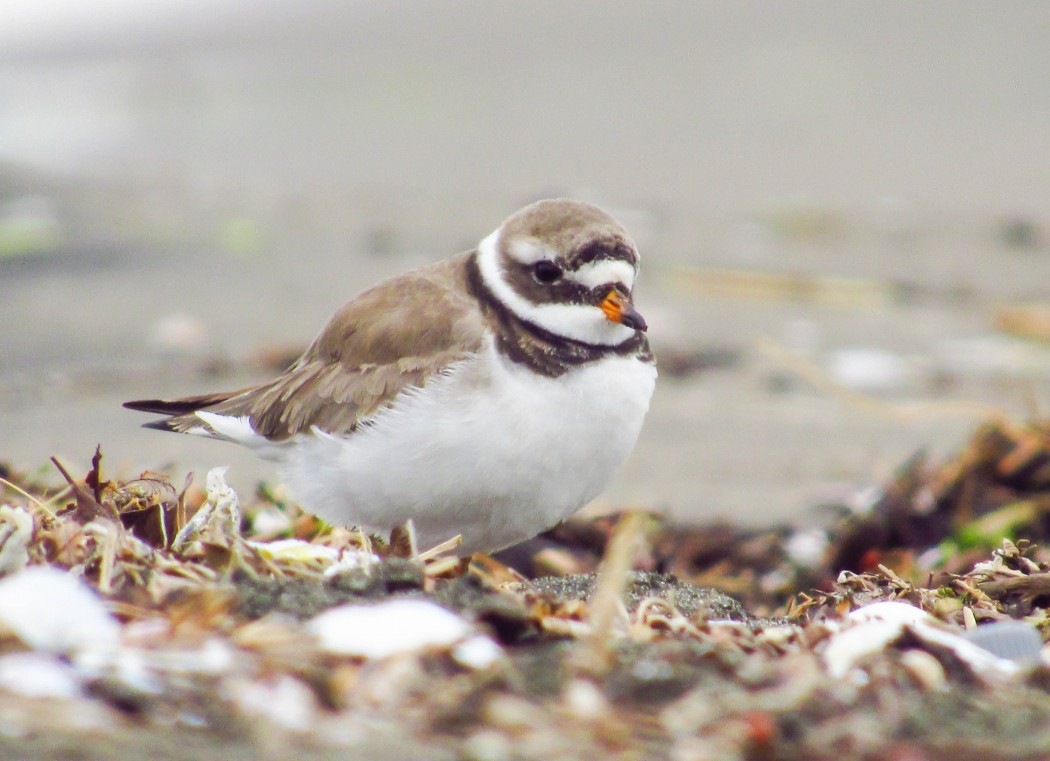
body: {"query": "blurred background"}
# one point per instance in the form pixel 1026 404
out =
pixel 842 210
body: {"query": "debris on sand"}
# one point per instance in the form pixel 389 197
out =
pixel 174 621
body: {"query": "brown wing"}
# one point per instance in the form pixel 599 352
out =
pixel 391 337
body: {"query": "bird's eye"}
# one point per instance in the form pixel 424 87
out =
pixel 546 271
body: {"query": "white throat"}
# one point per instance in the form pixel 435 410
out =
pixel 580 322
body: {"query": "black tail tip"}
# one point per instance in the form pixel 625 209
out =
pixel 159 425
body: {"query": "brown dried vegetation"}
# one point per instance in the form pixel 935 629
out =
pixel 219 645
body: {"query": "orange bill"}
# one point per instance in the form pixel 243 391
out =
pixel 618 308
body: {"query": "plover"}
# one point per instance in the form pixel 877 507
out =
pixel 489 395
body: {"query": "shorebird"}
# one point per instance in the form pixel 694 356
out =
pixel 489 395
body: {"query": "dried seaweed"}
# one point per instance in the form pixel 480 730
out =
pixel 217 624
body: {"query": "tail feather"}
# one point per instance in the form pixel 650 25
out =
pixel 163 424
pixel 181 417
pixel 182 406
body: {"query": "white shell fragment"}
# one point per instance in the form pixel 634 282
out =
pixel 873 628
pixel 332 560
pixel 129 666
pixel 351 559
pixel 1016 641
pixel 389 628
pixel 478 652
pixel 53 611
pixel 219 516
pixel 869 369
pixel 296 550
pixel 283 701
pixel 807 547
pixel 16 529
pixel 34 675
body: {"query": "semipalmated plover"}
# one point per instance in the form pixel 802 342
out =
pixel 489 395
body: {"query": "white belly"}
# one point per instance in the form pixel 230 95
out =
pixel 491 451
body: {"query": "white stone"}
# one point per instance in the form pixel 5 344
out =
pixel 389 628
pixel 52 611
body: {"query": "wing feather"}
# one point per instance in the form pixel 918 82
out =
pixel 392 337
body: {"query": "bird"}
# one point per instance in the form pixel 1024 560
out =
pixel 486 397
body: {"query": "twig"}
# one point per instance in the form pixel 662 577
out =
pixel 15 488
pixel 438 549
pixel 607 601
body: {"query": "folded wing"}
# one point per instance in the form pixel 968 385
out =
pixel 392 337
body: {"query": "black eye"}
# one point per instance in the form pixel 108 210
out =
pixel 546 271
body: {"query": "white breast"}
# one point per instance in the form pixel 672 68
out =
pixel 491 451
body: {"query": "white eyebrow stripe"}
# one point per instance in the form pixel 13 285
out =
pixel 604 271
pixel 529 251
